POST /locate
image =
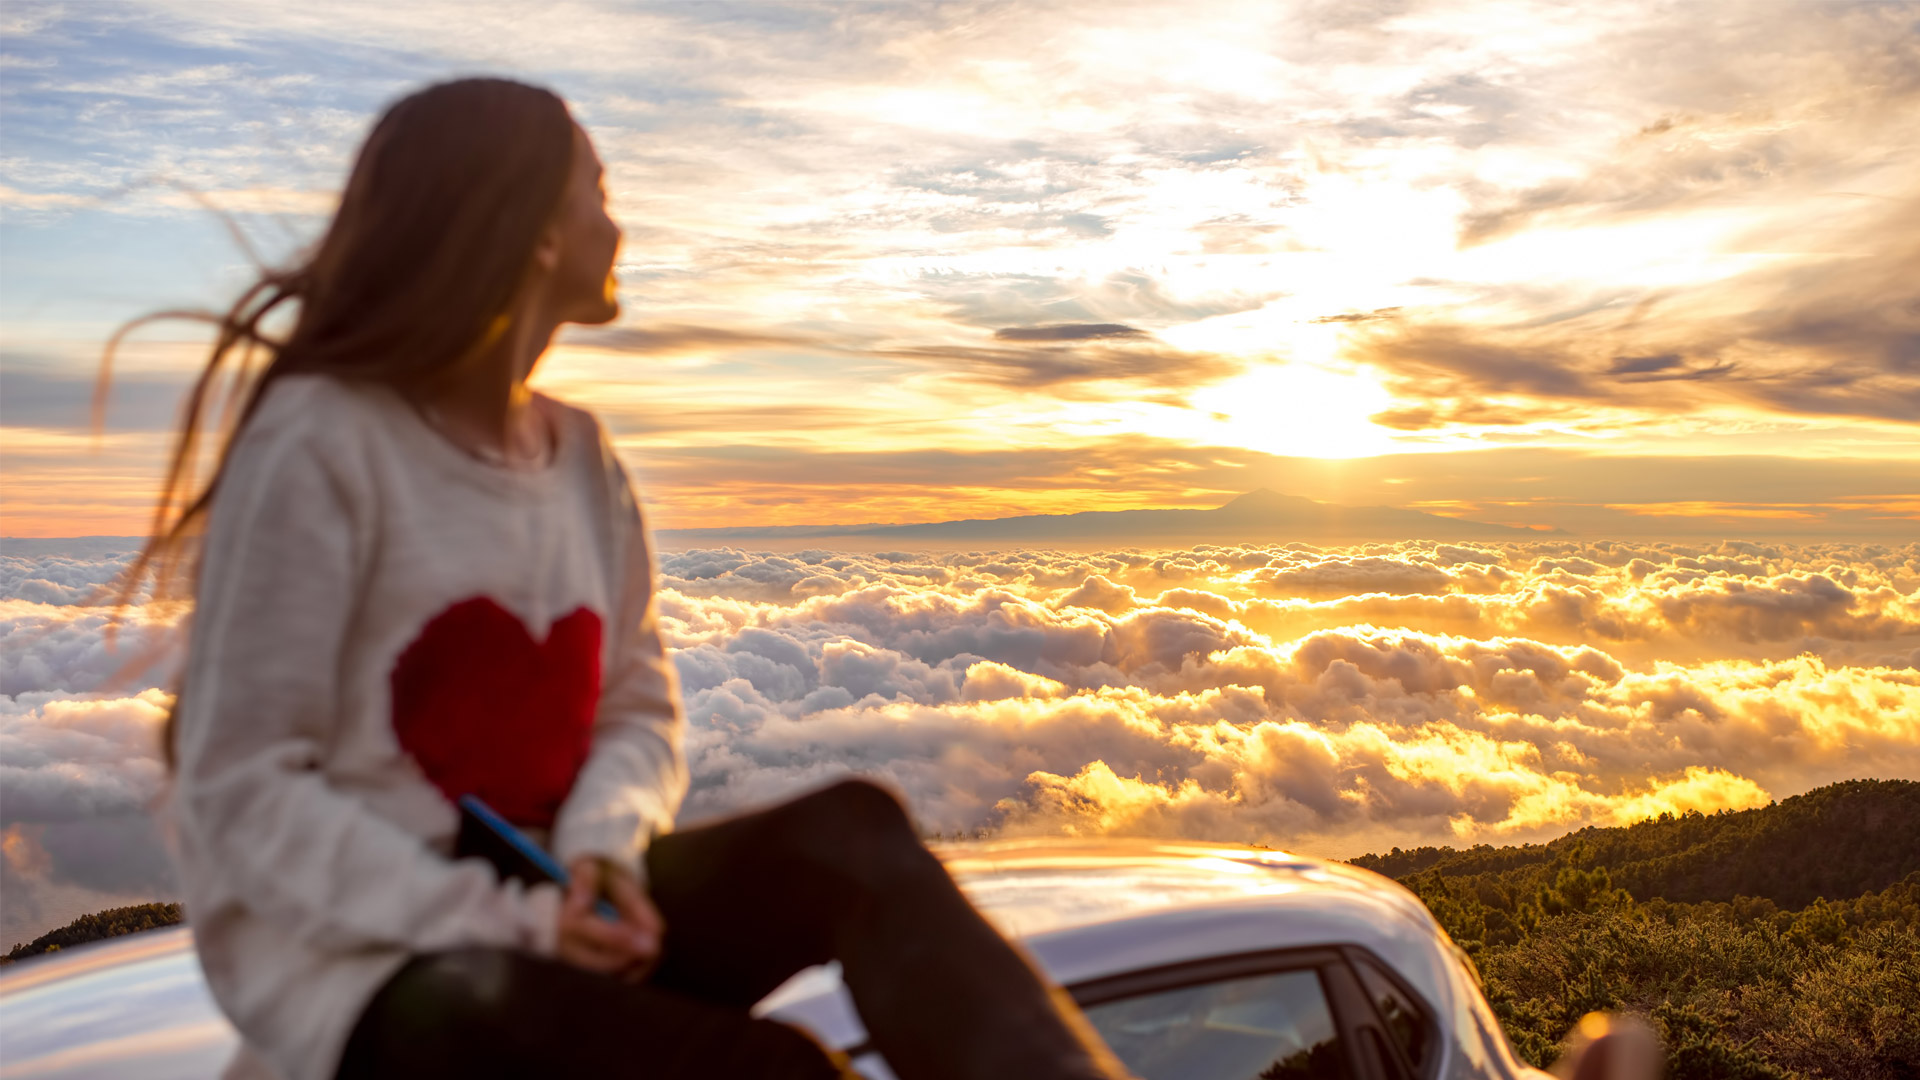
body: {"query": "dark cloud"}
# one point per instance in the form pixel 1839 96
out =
pixel 1644 365
pixel 1848 335
pixel 1066 332
pixel 35 393
pixel 1667 368
pixel 680 338
pixel 1062 368
pixel 1151 465
pixel 115 854
pixel 1444 361
pixel 1358 316
pixel 1835 338
pixel 1047 358
pixel 77 785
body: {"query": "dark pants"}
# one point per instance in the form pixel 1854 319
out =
pixel 836 875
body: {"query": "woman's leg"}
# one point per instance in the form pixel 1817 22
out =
pixel 492 1014
pixel 840 875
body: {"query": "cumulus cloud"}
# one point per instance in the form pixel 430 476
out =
pixel 59 579
pixel 1331 700
pixel 1292 695
pixel 77 780
pixel 61 631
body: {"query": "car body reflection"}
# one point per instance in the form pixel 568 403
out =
pixel 1197 961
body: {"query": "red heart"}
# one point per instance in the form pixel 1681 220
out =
pixel 488 711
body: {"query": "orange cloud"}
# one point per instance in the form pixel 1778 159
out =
pixel 1904 509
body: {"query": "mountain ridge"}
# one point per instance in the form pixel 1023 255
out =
pixel 1258 515
pixel 1840 840
pixel 1778 943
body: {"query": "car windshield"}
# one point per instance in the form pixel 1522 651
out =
pixel 1264 1027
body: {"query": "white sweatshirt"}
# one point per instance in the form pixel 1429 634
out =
pixel 383 624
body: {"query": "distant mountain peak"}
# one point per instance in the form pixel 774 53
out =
pixel 1265 499
pixel 1261 515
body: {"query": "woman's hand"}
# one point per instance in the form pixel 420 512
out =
pixel 625 949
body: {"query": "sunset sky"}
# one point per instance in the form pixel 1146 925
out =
pixel 1645 273
pixel 1653 269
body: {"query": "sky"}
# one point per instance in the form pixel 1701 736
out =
pixel 1648 274
pixel 1643 271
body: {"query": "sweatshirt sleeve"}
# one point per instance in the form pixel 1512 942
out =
pixel 282 568
pixel 636 772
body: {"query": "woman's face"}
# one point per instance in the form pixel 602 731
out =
pixel 582 287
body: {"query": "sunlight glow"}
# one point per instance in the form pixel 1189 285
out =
pixel 1296 409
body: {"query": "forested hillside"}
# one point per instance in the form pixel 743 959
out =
pixel 113 922
pixel 1776 943
pixel 1843 840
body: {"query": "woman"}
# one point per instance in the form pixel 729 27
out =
pixel 416 579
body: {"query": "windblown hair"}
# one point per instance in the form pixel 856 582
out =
pixel 432 241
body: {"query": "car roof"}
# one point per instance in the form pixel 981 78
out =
pixel 1089 908
pixel 1083 908
pixel 132 1006
pixel 1041 886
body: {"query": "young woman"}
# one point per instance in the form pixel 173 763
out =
pixel 416 579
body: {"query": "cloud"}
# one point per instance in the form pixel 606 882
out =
pixel 1357 316
pixel 1213 710
pixel 58 580
pixel 79 777
pixel 1833 338
pixel 1119 297
pixel 1850 75
pixel 61 632
pixel 670 339
pixel 1341 576
pixel 1332 700
pixel 897 204
pixel 1058 368
pixel 37 393
pixel 1065 332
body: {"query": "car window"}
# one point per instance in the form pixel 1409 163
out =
pixel 1403 1019
pixel 1261 1027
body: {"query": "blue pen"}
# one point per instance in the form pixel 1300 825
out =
pixel 535 854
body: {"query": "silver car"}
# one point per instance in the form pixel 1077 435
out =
pixel 1194 961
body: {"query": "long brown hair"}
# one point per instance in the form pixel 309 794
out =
pixel 433 238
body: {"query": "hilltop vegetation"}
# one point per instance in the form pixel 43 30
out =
pixel 113 922
pixel 1843 840
pixel 1771 944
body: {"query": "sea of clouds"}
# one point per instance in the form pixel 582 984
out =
pixel 1332 700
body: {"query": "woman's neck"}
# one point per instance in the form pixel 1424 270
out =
pixel 490 411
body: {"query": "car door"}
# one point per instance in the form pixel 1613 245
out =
pixel 1334 1013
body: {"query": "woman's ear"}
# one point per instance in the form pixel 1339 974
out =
pixel 546 250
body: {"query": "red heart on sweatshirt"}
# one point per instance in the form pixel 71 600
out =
pixel 486 710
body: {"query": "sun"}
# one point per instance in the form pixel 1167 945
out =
pixel 1304 402
pixel 1296 409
